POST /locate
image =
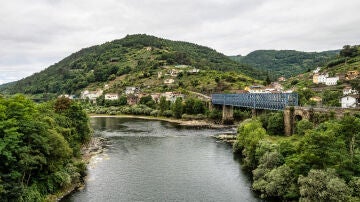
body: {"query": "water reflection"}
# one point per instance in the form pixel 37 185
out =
pixel 159 161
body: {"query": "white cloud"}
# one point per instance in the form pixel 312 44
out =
pixel 36 34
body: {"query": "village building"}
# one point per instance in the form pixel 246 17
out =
pixel 255 89
pixel 132 90
pixel 169 81
pixel 317 70
pixel 320 78
pixel 111 96
pixel 172 96
pixel 181 66
pixel 132 99
pixel 349 101
pixel 331 81
pixel 281 79
pixel 174 72
pixel 350 75
pixel 91 95
pixel 160 75
pixel 193 71
pixel 67 96
pixel 156 97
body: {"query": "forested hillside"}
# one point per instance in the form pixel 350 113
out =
pixel 285 63
pixel 40 147
pixel 138 56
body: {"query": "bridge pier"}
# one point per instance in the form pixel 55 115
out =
pixel 288 121
pixel 228 114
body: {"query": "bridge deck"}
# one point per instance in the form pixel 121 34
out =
pixel 271 101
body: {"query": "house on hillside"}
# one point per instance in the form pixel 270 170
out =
pixel 169 81
pixel 132 90
pixel 65 96
pixel 255 89
pixel 281 79
pixel 350 75
pixel 91 95
pixel 156 97
pixel 349 101
pixel 331 81
pixel 320 78
pixel 132 99
pixel 348 90
pixel 111 96
pixel 193 71
pixel 317 70
pixel 172 96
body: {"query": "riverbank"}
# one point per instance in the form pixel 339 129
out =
pixel 94 147
pixel 181 122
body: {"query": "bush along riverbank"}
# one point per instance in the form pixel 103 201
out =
pixel 40 148
pixel 319 163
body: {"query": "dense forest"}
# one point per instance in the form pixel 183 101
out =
pixel 285 63
pixel 321 162
pixel 40 147
pixel 137 56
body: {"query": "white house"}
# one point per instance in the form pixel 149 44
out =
pixel 322 78
pixel 132 90
pixel 194 71
pixel 172 96
pixel 111 96
pixel 92 95
pixel 348 90
pixel 169 81
pixel 317 70
pixel 349 101
pixel 331 81
pixel 256 89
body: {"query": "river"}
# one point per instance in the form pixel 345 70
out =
pixel 148 160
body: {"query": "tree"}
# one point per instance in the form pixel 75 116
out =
pixel 177 108
pixel 148 101
pixel 250 132
pixel 323 185
pixel 349 51
pixel 303 126
pixel 163 104
pixel 275 125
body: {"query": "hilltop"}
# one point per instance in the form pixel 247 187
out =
pixel 285 63
pixel 139 60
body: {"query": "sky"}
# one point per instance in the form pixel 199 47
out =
pixel 36 34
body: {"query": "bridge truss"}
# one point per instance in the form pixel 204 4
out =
pixel 271 101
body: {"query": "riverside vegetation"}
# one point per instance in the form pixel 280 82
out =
pixel 40 148
pixel 321 162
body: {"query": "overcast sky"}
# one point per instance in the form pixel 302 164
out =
pixel 35 34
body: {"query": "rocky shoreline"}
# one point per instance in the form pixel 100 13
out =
pixel 228 138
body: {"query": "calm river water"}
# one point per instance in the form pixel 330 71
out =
pixel 150 160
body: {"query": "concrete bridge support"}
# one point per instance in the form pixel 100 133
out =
pixel 289 122
pixel 228 114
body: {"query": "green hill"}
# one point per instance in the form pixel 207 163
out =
pixel 137 60
pixel 285 63
pixel 347 60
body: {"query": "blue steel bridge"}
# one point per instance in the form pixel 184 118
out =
pixel 271 101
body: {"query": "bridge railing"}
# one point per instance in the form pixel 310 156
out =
pixel 271 101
